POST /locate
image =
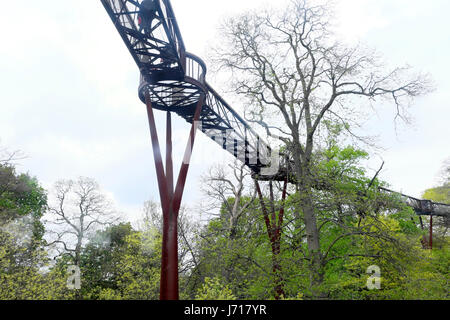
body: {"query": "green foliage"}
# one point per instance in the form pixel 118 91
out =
pixel 24 273
pixel 21 196
pixel 25 270
pixel 213 289
pixel 407 270
pixel 121 263
pixel 242 262
pixel 438 194
pixel 442 192
pixel 359 227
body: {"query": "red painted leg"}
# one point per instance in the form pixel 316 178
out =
pixel 162 182
pixel 170 201
pixel 431 231
pixel 187 157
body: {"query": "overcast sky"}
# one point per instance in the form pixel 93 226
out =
pixel 69 92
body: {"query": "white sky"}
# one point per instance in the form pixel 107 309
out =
pixel 69 92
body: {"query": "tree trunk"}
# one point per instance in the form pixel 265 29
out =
pixel 312 237
pixel 77 261
pixel 306 204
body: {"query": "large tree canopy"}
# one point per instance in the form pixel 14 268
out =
pixel 290 69
pixel 21 197
pixel 23 257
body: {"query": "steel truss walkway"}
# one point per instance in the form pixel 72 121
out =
pixel 173 80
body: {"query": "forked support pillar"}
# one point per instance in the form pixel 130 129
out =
pixel 274 227
pixel 170 198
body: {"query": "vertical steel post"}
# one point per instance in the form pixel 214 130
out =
pixel 283 203
pixel 162 182
pixel 165 201
pixel 169 161
pixel 431 231
pixel 169 288
pixel 170 201
pixel 424 240
pixel 274 233
pixel 181 181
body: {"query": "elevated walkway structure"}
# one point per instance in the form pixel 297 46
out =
pixel 422 207
pixel 174 80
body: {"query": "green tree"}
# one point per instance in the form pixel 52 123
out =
pixel 30 279
pixel 353 221
pixel 233 245
pixel 440 193
pixel 121 263
pixel 24 262
pixel 21 198
pixel 212 289
pixel 289 68
pixel 242 262
pixel 407 270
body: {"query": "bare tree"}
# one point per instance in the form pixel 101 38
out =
pixel 78 210
pixel 292 72
pixel 227 190
pixel 8 157
pixel 228 193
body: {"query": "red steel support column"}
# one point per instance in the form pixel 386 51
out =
pixel 165 200
pixel 162 182
pixel 169 162
pixel 265 212
pixel 170 201
pixel 431 231
pixel 283 202
pixel 274 231
pixel 187 157
pixel 169 266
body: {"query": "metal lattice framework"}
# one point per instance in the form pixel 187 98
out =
pixel 174 80
pixel 422 207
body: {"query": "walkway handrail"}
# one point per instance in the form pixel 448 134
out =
pixel 195 68
pixel 421 206
pixel 174 31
